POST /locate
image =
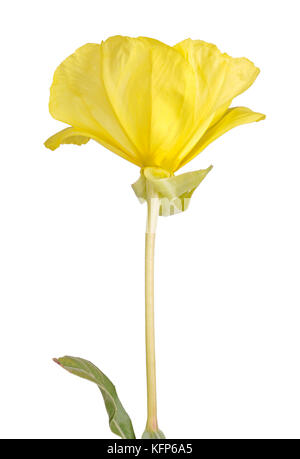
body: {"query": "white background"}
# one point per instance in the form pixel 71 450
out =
pixel 72 243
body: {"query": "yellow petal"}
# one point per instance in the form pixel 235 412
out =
pixel 152 89
pixel 220 77
pixel 79 97
pixel 74 136
pixel 68 135
pixel 233 117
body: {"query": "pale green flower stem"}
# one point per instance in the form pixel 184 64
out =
pixel 153 210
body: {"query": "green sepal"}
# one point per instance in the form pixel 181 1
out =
pixel 119 421
pixel 174 192
pixel 153 435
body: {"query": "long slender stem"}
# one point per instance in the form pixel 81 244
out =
pixel 153 209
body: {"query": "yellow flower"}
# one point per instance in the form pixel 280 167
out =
pixel 154 105
pixel 158 107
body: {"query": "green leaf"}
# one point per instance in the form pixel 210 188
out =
pixel 174 192
pixel 119 421
pixel 152 435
